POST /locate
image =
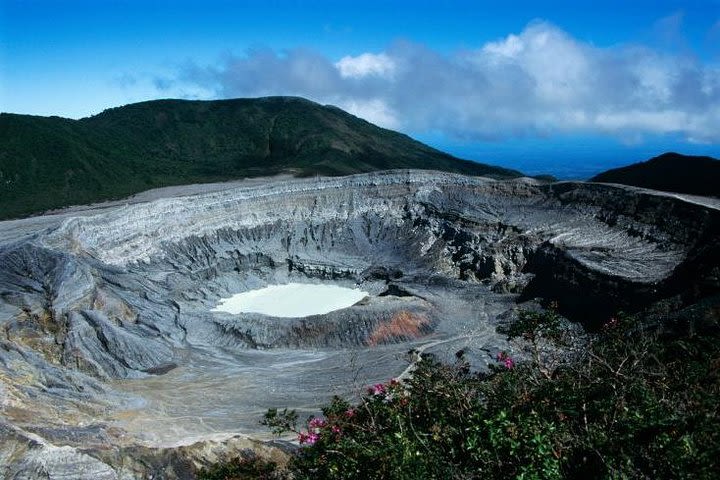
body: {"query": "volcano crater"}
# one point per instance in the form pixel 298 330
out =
pixel 108 315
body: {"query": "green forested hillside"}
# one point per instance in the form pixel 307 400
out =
pixel 671 172
pixel 51 162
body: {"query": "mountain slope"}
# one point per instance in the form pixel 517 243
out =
pixel 671 172
pixel 51 162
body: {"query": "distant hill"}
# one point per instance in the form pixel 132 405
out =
pixel 671 172
pixel 51 162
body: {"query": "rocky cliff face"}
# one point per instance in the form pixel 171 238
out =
pixel 108 343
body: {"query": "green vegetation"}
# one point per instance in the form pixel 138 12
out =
pixel 670 172
pixel 627 402
pixel 51 162
pixel 251 467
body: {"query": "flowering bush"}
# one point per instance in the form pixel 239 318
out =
pixel 634 404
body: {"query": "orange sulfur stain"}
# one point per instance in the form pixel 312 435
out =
pixel 403 325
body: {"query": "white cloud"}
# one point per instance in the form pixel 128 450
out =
pixel 556 64
pixel 366 64
pixel 374 111
pixel 540 81
pixel 509 48
pixel 658 122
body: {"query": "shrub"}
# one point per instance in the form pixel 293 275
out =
pixel 631 404
pixel 252 468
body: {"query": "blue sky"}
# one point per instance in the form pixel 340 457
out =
pixel 568 88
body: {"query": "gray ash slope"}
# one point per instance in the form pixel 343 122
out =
pixel 98 305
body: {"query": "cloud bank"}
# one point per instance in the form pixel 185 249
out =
pixel 539 82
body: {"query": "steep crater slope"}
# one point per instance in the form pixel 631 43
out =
pixel 109 342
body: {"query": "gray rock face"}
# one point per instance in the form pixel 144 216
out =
pixel 107 323
pixel 27 456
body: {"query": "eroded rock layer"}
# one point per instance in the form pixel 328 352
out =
pixel 109 344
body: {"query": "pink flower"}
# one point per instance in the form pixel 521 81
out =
pixel 316 422
pixel 505 359
pixel 336 430
pixel 377 389
pixel 349 413
pixel 308 438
